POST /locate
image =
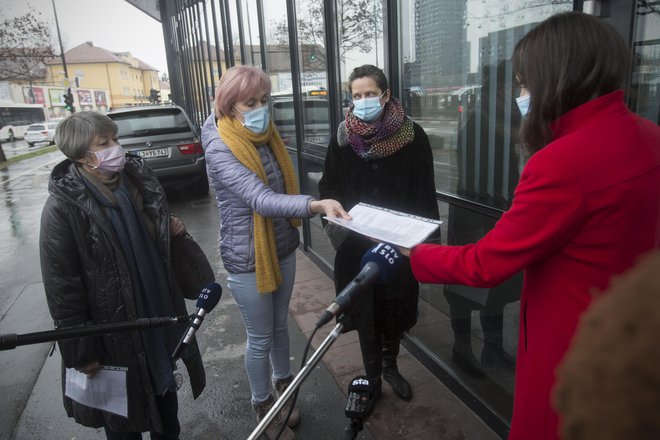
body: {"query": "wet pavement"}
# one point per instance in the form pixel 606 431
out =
pixel 19 147
pixel 32 406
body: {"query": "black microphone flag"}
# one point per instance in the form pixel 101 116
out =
pixel 206 301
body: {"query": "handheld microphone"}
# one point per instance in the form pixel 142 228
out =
pixel 208 298
pixel 379 265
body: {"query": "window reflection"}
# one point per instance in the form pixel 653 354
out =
pixel 645 81
pixel 251 33
pixel 360 34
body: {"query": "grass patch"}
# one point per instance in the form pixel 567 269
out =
pixel 20 157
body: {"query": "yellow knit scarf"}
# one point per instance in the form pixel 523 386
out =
pixel 243 144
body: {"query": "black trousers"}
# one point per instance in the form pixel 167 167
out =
pixel 379 350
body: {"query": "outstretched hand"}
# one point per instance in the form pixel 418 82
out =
pixel 329 207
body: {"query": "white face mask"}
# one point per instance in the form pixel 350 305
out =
pixel 523 104
pixel 368 109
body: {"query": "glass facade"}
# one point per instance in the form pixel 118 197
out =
pixel 448 61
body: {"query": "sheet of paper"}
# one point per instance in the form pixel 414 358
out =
pixel 398 228
pixel 106 390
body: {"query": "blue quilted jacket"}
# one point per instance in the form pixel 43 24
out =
pixel 240 192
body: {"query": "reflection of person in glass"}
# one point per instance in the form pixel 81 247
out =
pixel 489 132
pixel 587 204
pixel 381 157
pixel 257 194
pixel 105 257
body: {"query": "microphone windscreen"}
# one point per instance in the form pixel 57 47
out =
pixel 209 296
pixel 386 257
pixel 361 384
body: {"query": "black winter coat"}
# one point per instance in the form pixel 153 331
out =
pixel 403 181
pixel 87 281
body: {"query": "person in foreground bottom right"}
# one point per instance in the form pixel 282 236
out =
pixel 588 202
pixel 608 385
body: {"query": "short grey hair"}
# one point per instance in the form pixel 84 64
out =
pixel 75 133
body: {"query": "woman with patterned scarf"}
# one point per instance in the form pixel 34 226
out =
pixel 260 206
pixel 380 157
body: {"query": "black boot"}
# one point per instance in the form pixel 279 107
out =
pixel 391 374
pixel 372 353
pixel 378 391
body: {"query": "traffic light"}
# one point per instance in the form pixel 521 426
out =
pixel 68 101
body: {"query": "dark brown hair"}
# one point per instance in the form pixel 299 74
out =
pixel 372 72
pixel 567 60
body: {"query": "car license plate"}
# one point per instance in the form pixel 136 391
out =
pixel 316 139
pixel 156 152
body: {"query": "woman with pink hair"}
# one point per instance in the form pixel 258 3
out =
pixel 260 206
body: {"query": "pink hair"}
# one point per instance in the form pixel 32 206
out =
pixel 238 84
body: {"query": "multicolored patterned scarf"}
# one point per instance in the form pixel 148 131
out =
pixel 381 138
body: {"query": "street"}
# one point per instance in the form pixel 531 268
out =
pixel 32 404
pixel 20 146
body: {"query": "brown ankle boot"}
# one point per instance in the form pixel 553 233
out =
pixel 261 409
pixel 280 386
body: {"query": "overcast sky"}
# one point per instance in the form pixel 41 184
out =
pixel 111 24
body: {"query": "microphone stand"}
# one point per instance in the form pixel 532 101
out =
pixel 297 381
pixel 11 340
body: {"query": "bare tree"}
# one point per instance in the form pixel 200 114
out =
pixel 25 42
pixel 360 24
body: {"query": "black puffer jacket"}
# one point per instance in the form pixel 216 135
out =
pixel 87 281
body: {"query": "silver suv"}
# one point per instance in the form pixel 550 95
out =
pixel 167 141
pixel 316 119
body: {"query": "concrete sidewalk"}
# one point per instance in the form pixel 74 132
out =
pixel 433 413
pixel 223 411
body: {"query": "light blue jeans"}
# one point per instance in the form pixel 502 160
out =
pixel 265 318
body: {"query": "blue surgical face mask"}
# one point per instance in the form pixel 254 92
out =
pixel 256 120
pixel 368 109
pixel 523 104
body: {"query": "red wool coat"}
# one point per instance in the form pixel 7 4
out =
pixel 586 206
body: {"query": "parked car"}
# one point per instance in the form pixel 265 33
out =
pixel 167 141
pixel 41 132
pixel 316 119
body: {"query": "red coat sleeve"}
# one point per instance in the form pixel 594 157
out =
pixel 547 210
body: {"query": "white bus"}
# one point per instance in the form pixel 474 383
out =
pixel 15 118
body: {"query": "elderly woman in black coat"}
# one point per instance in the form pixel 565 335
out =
pixel 105 257
pixel 381 157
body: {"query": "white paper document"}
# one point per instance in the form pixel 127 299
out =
pixel 106 390
pixel 398 228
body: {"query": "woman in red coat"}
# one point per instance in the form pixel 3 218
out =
pixel 588 202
